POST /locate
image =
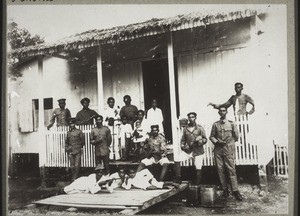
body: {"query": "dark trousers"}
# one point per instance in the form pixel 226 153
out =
pixel 75 161
pixel 139 151
pixel 103 160
pixel 125 151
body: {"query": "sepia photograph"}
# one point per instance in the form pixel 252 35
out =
pixel 148 109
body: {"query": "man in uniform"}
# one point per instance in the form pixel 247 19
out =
pixel 242 99
pixel 86 116
pixel 223 135
pixel 157 150
pixel 74 144
pixel 101 138
pixel 192 141
pixel 61 114
pixel 129 110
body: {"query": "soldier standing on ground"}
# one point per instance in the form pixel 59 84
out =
pixel 74 144
pixel 192 141
pixel 224 134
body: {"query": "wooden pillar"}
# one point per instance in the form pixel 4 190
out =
pixel 100 81
pixel 174 120
pixel 41 128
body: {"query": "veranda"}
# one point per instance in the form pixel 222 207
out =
pixel 55 155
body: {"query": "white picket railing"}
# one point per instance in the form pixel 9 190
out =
pixel 280 160
pixel 246 151
pixel 56 155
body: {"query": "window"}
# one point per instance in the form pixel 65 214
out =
pixel 48 108
pixel 29 114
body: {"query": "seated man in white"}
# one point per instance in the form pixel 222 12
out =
pixel 92 183
pixel 144 180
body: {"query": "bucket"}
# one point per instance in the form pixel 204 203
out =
pixel 193 196
pixel 208 195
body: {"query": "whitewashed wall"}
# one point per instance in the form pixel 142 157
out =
pixel 59 81
pixel 261 67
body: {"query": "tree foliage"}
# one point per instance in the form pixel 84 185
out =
pixel 18 38
pixel 21 37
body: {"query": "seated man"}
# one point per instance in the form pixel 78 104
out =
pixel 92 183
pixel 119 178
pixel 156 150
pixel 144 180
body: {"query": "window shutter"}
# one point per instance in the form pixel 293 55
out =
pixel 26 116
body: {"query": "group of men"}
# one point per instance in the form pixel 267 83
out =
pixel 152 144
pixel 134 131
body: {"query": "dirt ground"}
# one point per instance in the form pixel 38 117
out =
pixel 22 191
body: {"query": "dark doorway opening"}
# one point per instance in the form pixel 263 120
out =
pixel 156 85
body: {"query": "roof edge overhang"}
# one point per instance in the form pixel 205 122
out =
pixel 130 32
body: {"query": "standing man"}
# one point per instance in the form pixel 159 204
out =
pixel 223 135
pixel 157 152
pixel 101 138
pixel 110 112
pixel 242 99
pixel 86 116
pixel 74 144
pixel 192 141
pixel 61 114
pixel 155 116
pixel 129 110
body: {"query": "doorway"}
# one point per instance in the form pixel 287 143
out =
pixel 156 85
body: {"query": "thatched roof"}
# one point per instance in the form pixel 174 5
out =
pixel 128 32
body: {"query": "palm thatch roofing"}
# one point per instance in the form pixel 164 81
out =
pixel 129 32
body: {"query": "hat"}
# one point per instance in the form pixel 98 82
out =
pixel 85 99
pixel 72 120
pixel 192 113
pixel 99 167
pixel 154 126
pixel 62 100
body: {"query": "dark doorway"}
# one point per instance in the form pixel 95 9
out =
pixel 156 85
